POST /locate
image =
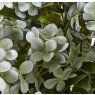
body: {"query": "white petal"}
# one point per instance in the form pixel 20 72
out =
pixel 6 43
pixel 52 29
pixel 33 11
pixel 5 66
pixel 37 4
pixel 11 54
pixel 2 53
pixel 20 14
pixel 50 45
pixel 24 85
pixel 23 6
pixel 1 5
pixel 35 31
pixel 29 36
pixel 9 4
pixel 37 44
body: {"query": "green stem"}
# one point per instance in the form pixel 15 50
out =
pixel 44 72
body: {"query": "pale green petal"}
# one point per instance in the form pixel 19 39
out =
pixel 11 76
pixel 23 6
pixel 24 85
pixel 37 56
pixel 33 11
pixel 29 36
pixel 15 89
pixel 50 83
pixel 50 45
pixel 2 84
pixel 2 53
pixel 37 43
pixel 47 57
pixel 21 24
pixel 60 39
pixel 26 67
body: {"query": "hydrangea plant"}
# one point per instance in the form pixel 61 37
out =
pixel 47 48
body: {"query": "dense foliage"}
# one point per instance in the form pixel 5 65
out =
pixel 47 47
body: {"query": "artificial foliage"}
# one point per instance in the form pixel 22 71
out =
pixel 47 47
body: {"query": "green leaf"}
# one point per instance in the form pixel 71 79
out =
pixel 53 64
pixel 2 53
pixel 37 4
pixel 60 85
pixel 47 57
pixel 29 36
pixel 71 11
pixel 11 76
pixel 50 83
pixel 88 53
pixel 66 73
pixel 2 84
pixel 89 66
pixel 60 39
pixel 5 66
pixel 23 6
pixel 26 67
pixel 78 63
pixel 90 25
pixel 76 79
pixel 73 75
pixel 37 43
pixel 46 4
pixel 24 85
pixel 11 54
pixel 6 43
pixel 50 45
pixel 70 38
pixel 50 18
pixel 85 84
